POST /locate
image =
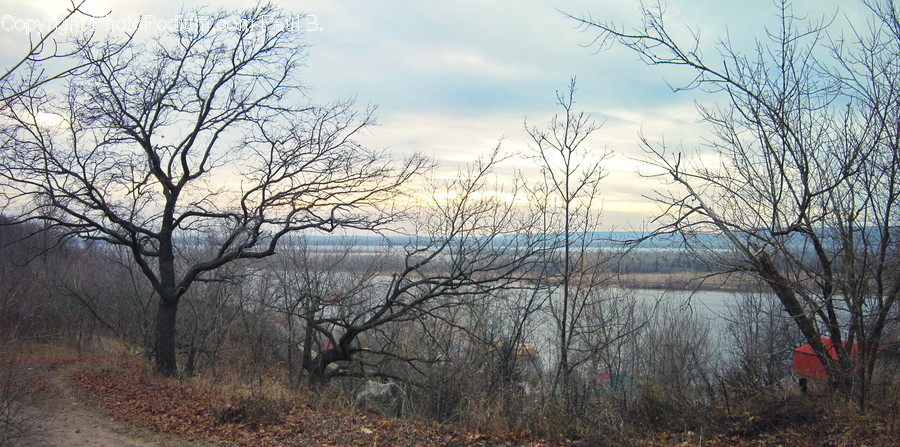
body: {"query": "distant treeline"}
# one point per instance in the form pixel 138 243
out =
pixel 631 251
pixel 654 255
pixel 660 261
pixel 615 239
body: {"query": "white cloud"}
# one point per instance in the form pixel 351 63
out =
pixel 472 62
pixel 454 78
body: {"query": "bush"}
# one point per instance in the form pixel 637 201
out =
pixel 662 409
pixel 15 423
pixel 776 414
pixel 253 409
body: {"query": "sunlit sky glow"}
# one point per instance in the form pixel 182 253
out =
pixel 452 79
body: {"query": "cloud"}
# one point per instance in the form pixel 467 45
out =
pixel 454 79
pixel 455 139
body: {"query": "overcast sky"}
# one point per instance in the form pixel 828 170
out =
pixel 452 78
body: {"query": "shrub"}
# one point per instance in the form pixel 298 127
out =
pixel 16 423
pixel 253 409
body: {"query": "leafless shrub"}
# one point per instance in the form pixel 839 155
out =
pixel 772 414
pixel 16 423
pixel 675 362
pixel 251 406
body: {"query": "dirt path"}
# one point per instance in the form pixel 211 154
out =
pixel 67 417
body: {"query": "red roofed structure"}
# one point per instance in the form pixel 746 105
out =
pixel 808 365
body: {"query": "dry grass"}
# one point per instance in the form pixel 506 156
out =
pixel 250 403
pixel 38 352
pixel 260 417
pixel 239 408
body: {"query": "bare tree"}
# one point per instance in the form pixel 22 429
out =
pixel 308 283
pixel 24 309
pixel 567 200
pixel 197 136
pixel 27 75
pixel 469 243
pixel 674 360
pixel 806 188
pixel 761 339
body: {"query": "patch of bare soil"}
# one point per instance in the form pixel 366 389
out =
pixel 63 414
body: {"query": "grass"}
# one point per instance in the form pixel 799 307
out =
pixel 264 410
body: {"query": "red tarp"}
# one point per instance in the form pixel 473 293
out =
pixel 808 365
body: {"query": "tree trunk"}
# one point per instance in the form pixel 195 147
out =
pixel 306 360
pixel 166 363
pixel 318 368
pixel 841 378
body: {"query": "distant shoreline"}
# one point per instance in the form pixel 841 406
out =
pixel 689 281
